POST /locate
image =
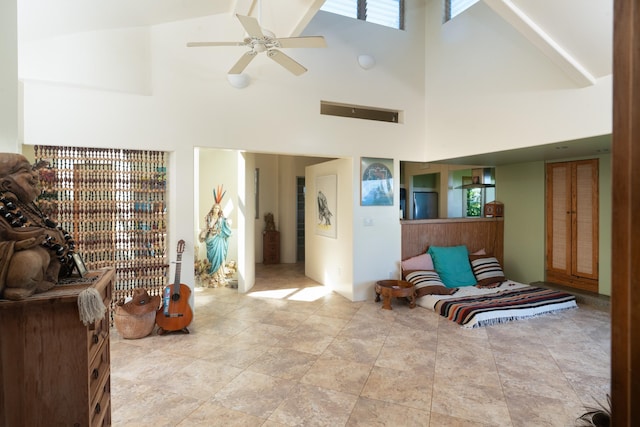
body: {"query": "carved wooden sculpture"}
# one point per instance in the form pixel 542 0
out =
pixel 34 251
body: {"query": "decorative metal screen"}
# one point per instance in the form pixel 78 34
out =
pixel 112 202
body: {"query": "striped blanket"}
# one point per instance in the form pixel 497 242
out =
pixel 487 308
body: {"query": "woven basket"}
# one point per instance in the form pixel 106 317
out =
pixel 133 327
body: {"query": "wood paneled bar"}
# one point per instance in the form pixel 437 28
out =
pixel 475 233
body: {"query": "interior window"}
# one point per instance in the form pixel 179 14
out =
pixel 474 202
pixel 453 8
pixel 478 188
pixel 440 190
pixel 389 13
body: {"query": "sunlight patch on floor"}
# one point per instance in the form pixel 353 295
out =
pixel 274 293
pixel 311 293
pixel 307 294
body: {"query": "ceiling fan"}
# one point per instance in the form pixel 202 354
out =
pixel 261 40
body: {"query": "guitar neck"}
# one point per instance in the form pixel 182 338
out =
pixel 176 282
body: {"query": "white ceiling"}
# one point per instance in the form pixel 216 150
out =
pixel 579 148
pixel 581 28
pixel 40 19
pixel 577 33
pixel 584 33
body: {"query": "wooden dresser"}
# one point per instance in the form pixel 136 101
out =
pixel 54 370
pixel 271 247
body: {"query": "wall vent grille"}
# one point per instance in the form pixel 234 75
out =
pixel 359 112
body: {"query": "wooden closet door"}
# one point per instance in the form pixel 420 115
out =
pixel 584 239
pixel 572 224
pixel 558 218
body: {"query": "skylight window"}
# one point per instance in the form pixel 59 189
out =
pixel 348 8
pixel 453 8
pixel 389 13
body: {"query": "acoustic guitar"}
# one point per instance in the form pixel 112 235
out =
pixel 175 314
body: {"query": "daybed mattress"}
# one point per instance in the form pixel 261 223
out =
pixel 471 306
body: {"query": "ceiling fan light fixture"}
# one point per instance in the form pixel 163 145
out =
pixel 268 34
pixel 259 40
pixel 239 81
pixel 366 62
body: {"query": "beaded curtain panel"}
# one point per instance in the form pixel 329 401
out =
pixel 112 202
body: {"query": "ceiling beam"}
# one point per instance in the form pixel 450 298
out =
pixel 313 7
pixel 283 17
pixel 539 38
pixel 243 7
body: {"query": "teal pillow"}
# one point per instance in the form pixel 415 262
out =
pixel 453 266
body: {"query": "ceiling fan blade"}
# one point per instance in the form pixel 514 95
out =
pixel 286 61
pixel 242 63
pixel 311 41
pixel 251 26
pixel 204 44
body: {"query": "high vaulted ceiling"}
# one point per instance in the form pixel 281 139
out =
pixel 576 35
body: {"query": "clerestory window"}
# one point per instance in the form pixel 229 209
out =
pixel 453 8
pixel 389 13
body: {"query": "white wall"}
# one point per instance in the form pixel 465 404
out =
pixel 8 77
pixel 246 226
pixel 487 89
pixel 366 235
pixel 376 231
pixel 180 218
pixel 192 105
pixel 490 89
pixel 117 60
pixel 330 261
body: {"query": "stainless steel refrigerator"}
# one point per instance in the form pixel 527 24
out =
pixel 425 204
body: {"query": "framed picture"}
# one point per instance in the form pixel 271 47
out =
pixel 82 269
pixel 327 209
pixel 376 182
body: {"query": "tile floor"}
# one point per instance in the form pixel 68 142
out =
pixel 287 354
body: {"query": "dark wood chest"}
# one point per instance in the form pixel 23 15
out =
pixel 271 247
